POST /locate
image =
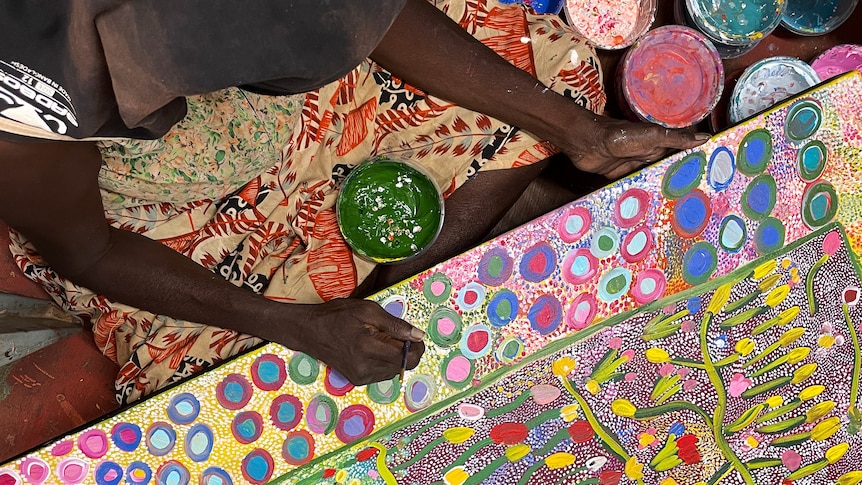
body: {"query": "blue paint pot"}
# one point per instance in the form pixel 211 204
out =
pixel 816 17
pixel 735 26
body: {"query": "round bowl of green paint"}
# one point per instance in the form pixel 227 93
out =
pixel 389 210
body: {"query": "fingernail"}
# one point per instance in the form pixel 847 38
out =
pixel 702 136
pixel 417 334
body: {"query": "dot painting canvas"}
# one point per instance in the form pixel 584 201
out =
pixel 695 322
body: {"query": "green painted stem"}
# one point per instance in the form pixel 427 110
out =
pixel 486 471
pixel 604 434
pixel 468 453
pixel 528 474
pixel 420 454
pixel 741 302
pixel 433 422
pixel 762 355
pixel 493 413
pixel 857 358
pixel 743 317
pixel 770 366
pixel 809 283
pixel 573 472
pixel 646 413
pixel 780 411
pixel 687 363
pixel 719 474
pixel 560 435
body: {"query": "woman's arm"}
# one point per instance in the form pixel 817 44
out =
pixel 49 192
pixel 430 51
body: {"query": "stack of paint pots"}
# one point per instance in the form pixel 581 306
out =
pixel 816 17
pixel 672 76
pixel 610 24
pixel 768 82
pixel 838 60
pixel 734 26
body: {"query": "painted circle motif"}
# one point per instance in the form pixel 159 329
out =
pixel 285 412
pixel 811 160
pixel 161 438
pixel 732 233
pixel 233 392
pixel 108 473
pixel 699 262
pixel 184 408
pixel 637 244
pixel 614 284
pixel 93 443
pixel 268 372
pixel 34 470
pixel 9 477
pixel 384 392
pixel 579 266
pixel 545 314
pixel 538 262
pixel 819 204
pixel 683 175
pixel 257 466
pixel 471 296
pixel 509 350
pixel 444 326
pixel 721 169
pixel 138 473
pixel 199 442
pixel 335 383
pixel 503 308
pixel 649 286
pixel 631 207
pixel 759 197
pixel 298 448
pixel 769 236
pixel 691 214
pixel 437 288
pixel 605 242
pixel 803 119
pixel 303 369
pixel 574 223
pixel 457 370
pixel 215 476
pixel 395 305
pixel 247 427
pixel 419 392
pixel 355 422
pixel 582 311
pixel 72 471
pixel 321 414
pixel 755 152
pixel 174 473
pixel 495 267
pixel 476 341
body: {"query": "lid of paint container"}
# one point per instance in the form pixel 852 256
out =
pixel 736 22
pixel 388 210
pixel 838 60
pixel 610 24
pixel 768 82
pixel 806 17
pixel 672 76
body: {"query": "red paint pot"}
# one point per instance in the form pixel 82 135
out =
pixel 673 76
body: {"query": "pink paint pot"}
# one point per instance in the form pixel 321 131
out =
pixel 610 24
pixel 768 82
pixel 838 60
pixel 673 76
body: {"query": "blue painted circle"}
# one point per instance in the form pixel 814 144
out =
pixel 173 473
pixel 138 473
pixel 215 476
pixel 257 466
pixel 683 175
pixel 247 427
pixel 691 214
pixel 108 473
pixel 538 262
pixel 126 436
pixel 503 308
pixel 199 442
pixel 161 438
pixel 698 263
pixel 769 236
pixel 184 408
pixel 545 314
pixel 721 169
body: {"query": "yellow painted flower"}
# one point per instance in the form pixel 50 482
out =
pixel 623 407
pixel 645 439
pixel 826 428
pixel 850 478
pixel 775 401
pixel 745 346
pixel 785 263
pixel 559 460
pixel 456 476
pixel 751 441
pixel 667 481
pixel 563 366
pixel 790 336
pixel 719 298
pixel 516 452
pixel 593 386
pixel 355 481
pixel 811 392
pixel 798 354
pixel 803 372
pixel 458 435
pixel 634 469
pixel 341 476
pixel 836 452
pixel 826 341
pixel 764 269
pixel 777 295
pixel 657 355
pixel 818 411
pixel 569 412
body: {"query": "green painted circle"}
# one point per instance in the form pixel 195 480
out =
pixel 764 189
pixel 769 236
pixel 819 204
pixel 755 152
pixel 439 321
pixel 604 243
pixel 384 392
pixel 433 282
pixel 447 378
pixel 732 233
pixel 699 262
pixel 316 414
pixel 303 369
pixel 811 160
pixel 683 175
pixel 803 119
pixel 509 350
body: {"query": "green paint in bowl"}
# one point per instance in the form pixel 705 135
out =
pixel 389 211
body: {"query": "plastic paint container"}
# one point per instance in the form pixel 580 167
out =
pixel 816 17
pixel 838 60
pixel 768 82
pixel 540 6
pixel 389 211
pixel 672 76
pixel 736 26
pixel 610 24
pixel 725 51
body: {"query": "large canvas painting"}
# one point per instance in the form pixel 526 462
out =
pixel 695 322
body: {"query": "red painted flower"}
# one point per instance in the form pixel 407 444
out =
pixel 366 454
pixel 509 433
pixel 328 472
pixel 610 477
pixel 687 445
pixel 581 431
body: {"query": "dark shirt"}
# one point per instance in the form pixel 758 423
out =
pixel 122 68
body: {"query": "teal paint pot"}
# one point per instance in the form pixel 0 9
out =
pixel 816 17
pixel 389 211
pixel 736 26
pixel 768 82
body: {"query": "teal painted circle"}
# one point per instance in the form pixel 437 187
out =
pixel 759 197
pixel 819 204
pixel 683 175
pixel 755 152
pixel 732 233
pixel 614 284
pixel 769 236
pixel 811 160
pixel 605 243
pixel 803 119
pixel 699 262
pixel 437 288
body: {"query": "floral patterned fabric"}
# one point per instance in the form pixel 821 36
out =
pixel 246 185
